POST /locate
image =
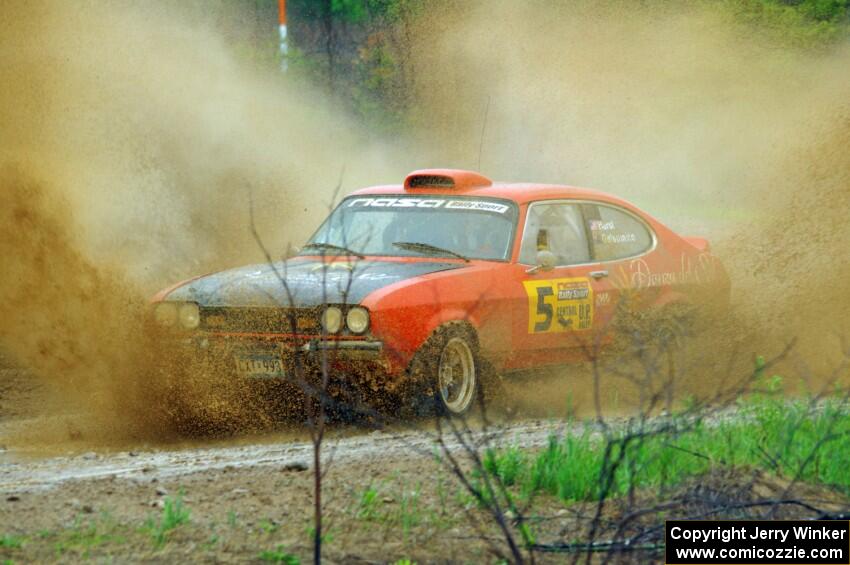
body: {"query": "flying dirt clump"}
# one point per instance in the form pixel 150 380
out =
pixel 85 332
pixel 794 261
pixel 131 137
pixel 131 134
pixel 153 130
pixel 75 326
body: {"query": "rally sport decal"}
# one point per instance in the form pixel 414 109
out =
pixel 559 305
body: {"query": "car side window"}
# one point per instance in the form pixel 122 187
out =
pixel 615 233
pixel 558 228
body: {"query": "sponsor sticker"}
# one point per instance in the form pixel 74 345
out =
pixel 482 205
pixel 559 305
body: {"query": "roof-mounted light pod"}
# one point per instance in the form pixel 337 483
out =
pixel 447 179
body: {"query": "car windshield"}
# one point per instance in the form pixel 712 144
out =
pixel 469 227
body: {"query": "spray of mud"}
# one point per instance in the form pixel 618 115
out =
pixel 711 126
pixel 131 133
pixel 797 275
pixel 130 138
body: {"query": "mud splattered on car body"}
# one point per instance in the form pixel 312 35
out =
pixel 452 267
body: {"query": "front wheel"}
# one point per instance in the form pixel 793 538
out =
pixel 446 369
pixel 457 378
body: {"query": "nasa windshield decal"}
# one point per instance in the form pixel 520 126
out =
pixel 447 204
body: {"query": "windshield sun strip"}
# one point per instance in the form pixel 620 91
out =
pixel 509 248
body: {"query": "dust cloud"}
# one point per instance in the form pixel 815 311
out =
pixel 672 107
pixel 713 127
pixel 131 135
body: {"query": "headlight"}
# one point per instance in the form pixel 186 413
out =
pixel 189 315
pixel 332 319
pixel 165 313
pixel 357 320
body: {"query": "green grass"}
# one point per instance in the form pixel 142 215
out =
pixel 784 437
pixel 369 505
pixel 101 538
pixel 268 525
pixel 212 542
pixel 408 514
pixel 279 555
pixel 802 23
pixel 174 515
pixel 405 509
pixel 85 536
pixel 11 542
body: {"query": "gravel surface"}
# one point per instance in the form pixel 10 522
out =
pixel 21 473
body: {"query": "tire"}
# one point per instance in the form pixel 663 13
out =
pixel 447 370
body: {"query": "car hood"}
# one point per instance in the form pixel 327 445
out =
pixel 309 282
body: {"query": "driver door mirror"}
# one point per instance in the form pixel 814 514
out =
pixel 545 262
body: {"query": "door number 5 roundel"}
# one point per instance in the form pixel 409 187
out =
pixel 559 305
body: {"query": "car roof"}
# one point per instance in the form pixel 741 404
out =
pixel 520 193
pixel 459 182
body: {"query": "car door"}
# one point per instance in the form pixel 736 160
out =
pixel 556 310
pixel 622 244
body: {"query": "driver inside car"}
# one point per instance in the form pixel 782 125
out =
pixel 554 228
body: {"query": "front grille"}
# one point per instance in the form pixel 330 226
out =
pixel 261 320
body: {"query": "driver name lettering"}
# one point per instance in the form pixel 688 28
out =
pixel 599 225
pixel 617 238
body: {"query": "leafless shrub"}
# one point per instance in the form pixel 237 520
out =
pixel 622 522
pixel 304 369
pixel 624 525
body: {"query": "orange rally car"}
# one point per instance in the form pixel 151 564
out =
pixel 433 280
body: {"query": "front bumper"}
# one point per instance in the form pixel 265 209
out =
pixel 360 371
pixel 308 346
pixel 367 349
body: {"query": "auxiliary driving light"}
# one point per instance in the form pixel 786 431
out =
pixel 189 315
pixel 165 313
pixel 357 320
pixel 332 319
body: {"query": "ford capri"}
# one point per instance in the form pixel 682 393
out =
pixel 433 286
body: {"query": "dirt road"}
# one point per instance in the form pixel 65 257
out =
pixel 21 472
pixel 246 496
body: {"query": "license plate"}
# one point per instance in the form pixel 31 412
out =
pixel 260 366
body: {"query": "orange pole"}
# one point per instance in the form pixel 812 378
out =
pixel 281 13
